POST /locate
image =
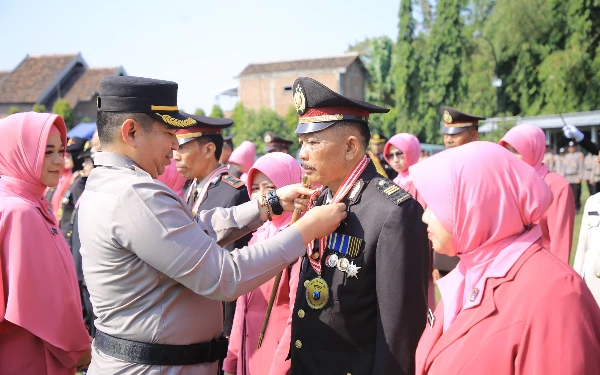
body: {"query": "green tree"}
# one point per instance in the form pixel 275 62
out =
pixel 216 112
pixel 13 109
pixel 199 112
pixel 39 108
pixel 442 70
pixel 63 108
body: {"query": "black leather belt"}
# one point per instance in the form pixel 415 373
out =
pixel 161 354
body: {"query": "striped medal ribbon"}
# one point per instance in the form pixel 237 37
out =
pixel 339 195
pixel 219 171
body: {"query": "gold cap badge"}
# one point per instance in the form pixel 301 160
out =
pixel 447 117
pixel 268 138
pixel 299 100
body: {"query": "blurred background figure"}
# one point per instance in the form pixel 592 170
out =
pixel 376 145
pixel 270 172
pixel 589 162
pixel 173 179
pixel 227 149
pixel 527 143
pixel 574 170
pixel 587 257
pixel 274 143
pixel 549 158
pixel 241 160
pixel 401 152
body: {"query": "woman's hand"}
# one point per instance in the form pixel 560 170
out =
pixel 295 196
pixel 84 360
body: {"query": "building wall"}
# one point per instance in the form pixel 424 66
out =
pixel 23 107
pixel 269 90
pixel 353 82
pixel 86 109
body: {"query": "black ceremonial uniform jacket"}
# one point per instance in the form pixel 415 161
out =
pixel 371 324
pixel 67 207
pixel 226 191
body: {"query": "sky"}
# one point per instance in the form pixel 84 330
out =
pixel 201 45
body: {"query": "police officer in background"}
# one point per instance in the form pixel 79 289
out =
pixel 573 171
pixel 227 149
pixel 274 143
pixel 458 128
pixel 361 301
pixel 212 186
pixel 376 145
pixel 155 271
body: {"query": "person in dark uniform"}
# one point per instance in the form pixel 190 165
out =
pixel 227 149
pixel 79 149
pixel 361 301
pixel 459 128
pixel 197 159
pixel 377 144
pixel 274 143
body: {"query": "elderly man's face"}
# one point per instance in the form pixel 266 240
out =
pixel 455 140
pixel 323 156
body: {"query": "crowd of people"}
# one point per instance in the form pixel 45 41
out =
pixel 157 247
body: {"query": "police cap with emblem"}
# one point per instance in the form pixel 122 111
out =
pixel 456 122
pixel 154 97
pixel 320 107
pixel 273 142
pixel 204 126
pixel 76 145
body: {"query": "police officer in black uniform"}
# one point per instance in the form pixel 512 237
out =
pixel 376 144
pixel 197 159
pixel 361 303
pixel 227 149
pixel 275 143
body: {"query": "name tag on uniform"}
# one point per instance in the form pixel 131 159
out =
pixel 593 213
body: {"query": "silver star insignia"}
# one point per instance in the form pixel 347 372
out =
pixel 352 270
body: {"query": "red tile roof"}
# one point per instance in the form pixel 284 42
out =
pixel 33 77
pixel 341 61
pixel 86 86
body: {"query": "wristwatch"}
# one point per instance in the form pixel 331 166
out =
pixel 273 200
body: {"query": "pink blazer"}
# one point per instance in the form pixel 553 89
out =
pixel 538 319
pixel 557 223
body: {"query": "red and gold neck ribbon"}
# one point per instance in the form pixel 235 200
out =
pixel 339 195
pixel 202 194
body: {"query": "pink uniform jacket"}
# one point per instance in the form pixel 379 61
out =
pixel 538 319
pixel 41 323
pixel 558 221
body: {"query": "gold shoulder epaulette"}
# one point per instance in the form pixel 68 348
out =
pixel 394 192
pixel 233 181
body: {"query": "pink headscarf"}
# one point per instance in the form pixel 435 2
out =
pixel 172 178
pixel 282 169
pixel 244 155
pixel 38 284
pixel 411 148
pixel 488 200
pixel 530 142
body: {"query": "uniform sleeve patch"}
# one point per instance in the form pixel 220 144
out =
pixel 233 181
pixel 394 192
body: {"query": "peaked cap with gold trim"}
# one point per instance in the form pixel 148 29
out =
pixel 320 107
pixel 204 126
pixel 154 97
pixel 273 142
pixel 456 122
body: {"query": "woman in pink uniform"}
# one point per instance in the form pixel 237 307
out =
pixel 528 142
pixel 401 152
pixel 41 326
pixel 270 172
pixel 510 306
pixel 242 158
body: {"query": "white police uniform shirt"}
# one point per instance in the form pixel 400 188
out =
pixel 157 276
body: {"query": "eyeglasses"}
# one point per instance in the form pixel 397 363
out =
pixel 398 154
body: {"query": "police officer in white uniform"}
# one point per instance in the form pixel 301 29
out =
pixel 156 272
